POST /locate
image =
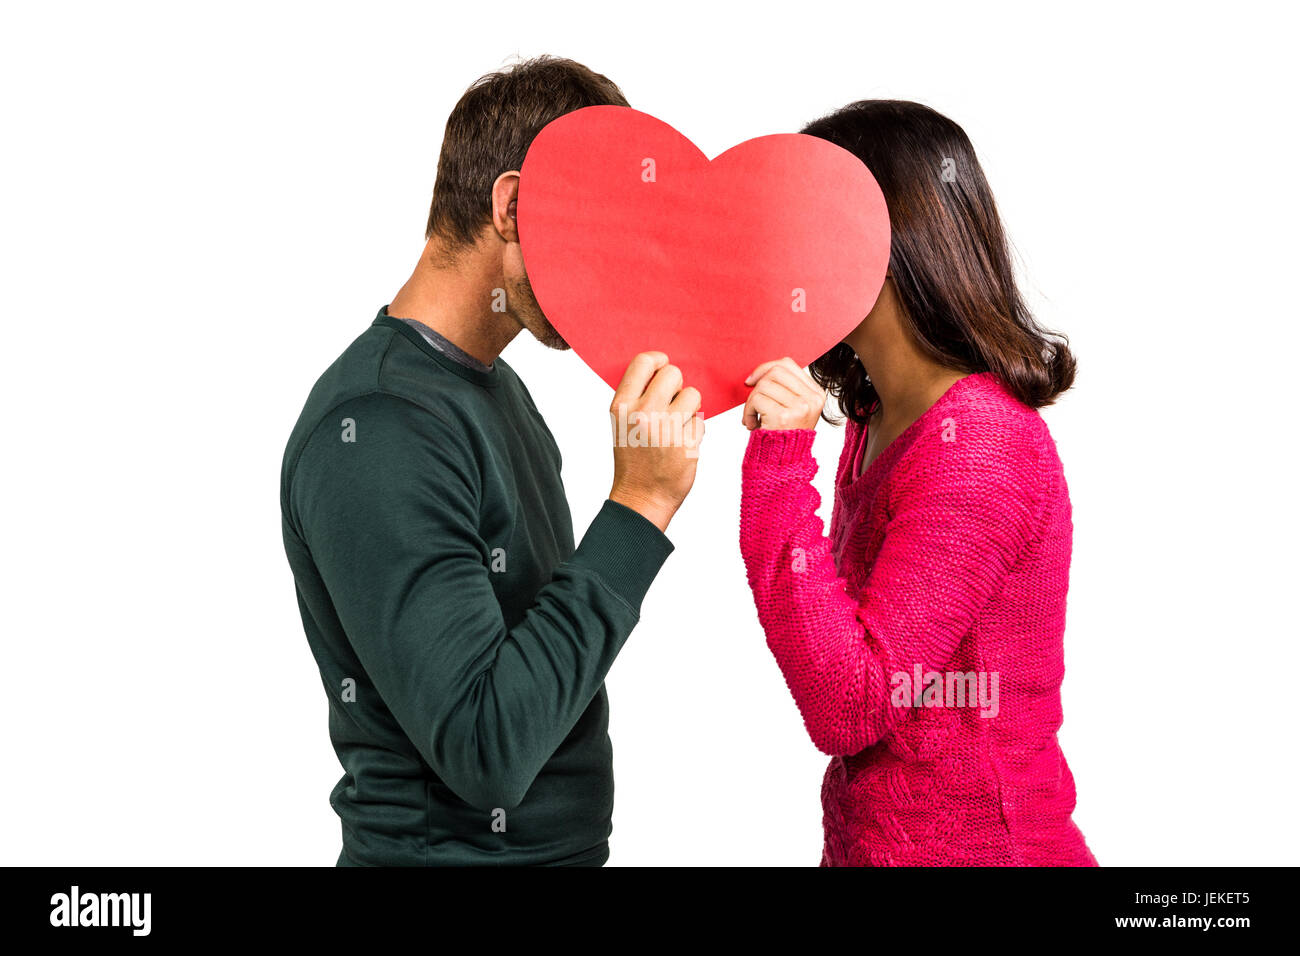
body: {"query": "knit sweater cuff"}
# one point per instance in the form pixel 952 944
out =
pixel 768 447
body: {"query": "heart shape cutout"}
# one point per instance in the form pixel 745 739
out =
pixel 634 240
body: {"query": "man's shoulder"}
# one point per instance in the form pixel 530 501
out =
pixel 509 379
pixel 355 372
pixel 365 375
pixel 402 391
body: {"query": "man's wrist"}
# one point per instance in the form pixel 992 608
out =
pixel 657 512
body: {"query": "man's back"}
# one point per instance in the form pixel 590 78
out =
pixel 462 640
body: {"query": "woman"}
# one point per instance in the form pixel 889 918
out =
pixel 922 640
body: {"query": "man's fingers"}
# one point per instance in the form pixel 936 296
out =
pixel 640 371
pixel 663 388
pixel 687 402
pixel 692 435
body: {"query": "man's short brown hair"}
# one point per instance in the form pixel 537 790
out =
pixel 491 128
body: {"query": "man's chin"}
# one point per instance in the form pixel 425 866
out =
pixel 551 338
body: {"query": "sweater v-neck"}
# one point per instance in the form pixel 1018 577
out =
pixel 855 484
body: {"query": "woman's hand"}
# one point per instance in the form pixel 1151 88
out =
pixel 784 397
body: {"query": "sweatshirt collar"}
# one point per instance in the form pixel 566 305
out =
pixel 486 377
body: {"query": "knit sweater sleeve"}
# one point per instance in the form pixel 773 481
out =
pixel 958 515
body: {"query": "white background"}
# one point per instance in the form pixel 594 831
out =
pixel 203 204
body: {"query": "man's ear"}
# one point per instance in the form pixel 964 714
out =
pixel 505 196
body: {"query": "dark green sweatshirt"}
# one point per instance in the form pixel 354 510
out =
pixel 462 639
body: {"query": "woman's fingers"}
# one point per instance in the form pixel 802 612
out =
pixel 772 405
pixel 763 369
pixel 795 380
pixel 756 406
pixel 759 372
pixel 783 393
pixel 788 371
pixel 783 396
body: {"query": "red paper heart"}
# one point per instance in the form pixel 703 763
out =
pixel 703 262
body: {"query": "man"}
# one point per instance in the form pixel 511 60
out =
pixel 462 639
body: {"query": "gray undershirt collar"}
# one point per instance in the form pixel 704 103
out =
pixel 447 347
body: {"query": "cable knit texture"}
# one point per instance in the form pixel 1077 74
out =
pixel 948 560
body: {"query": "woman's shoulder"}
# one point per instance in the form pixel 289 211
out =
pixel 980 431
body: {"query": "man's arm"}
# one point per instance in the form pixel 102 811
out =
pixel 392 524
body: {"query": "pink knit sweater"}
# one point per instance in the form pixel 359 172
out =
pixel 922 640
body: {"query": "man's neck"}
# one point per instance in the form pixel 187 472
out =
pixel 455 300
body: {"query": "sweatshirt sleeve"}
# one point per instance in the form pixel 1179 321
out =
pixel 959 514
pixel 395 535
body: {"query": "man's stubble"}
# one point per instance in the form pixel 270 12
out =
pixel 529 313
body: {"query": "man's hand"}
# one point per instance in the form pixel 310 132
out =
pixel 657 435
pixel 784 397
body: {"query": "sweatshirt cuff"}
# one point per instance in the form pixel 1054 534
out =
pixel 778 446
pixel 623 549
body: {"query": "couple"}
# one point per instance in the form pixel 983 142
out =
pixel 463 640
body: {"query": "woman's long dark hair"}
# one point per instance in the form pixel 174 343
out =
pixel 948 258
